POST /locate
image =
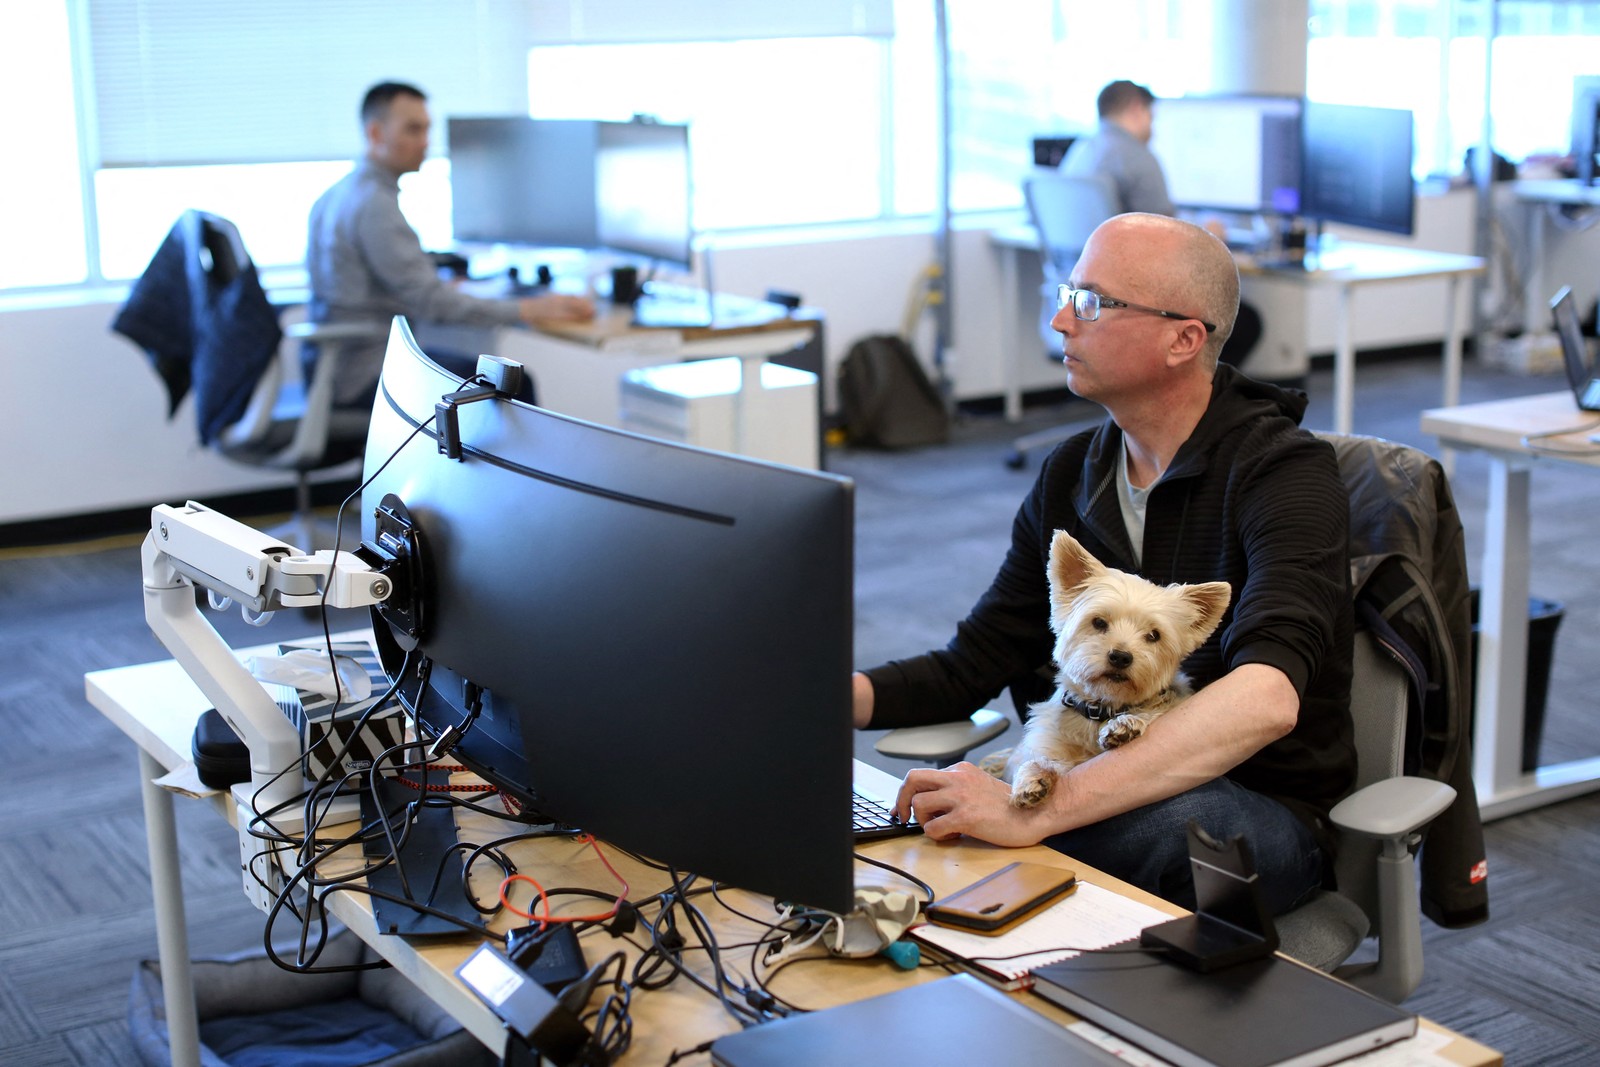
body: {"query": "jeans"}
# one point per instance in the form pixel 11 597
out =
pixel 1149 846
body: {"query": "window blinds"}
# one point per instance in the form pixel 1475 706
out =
pixel 195 81
pixel 178 82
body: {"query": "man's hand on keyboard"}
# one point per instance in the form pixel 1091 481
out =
pixel 962 800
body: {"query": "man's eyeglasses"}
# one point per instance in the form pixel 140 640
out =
pixel 1086 305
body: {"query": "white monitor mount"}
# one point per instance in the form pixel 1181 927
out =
pixel 193 546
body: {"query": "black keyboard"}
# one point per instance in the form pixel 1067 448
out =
pixel 874 819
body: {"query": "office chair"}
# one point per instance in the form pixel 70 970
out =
pixel 200 312
pixel 1410 703
pixel 1064 211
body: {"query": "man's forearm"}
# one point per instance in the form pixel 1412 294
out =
pixel 1201 739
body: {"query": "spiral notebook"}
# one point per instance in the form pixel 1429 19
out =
pixel 1091 917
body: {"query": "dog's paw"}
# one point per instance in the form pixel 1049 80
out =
pixel 995 763
pixel 1120 730
pixel 1031 787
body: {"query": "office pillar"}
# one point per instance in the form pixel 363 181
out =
pixel 1259 46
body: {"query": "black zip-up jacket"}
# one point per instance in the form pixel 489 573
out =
pixel 1250 499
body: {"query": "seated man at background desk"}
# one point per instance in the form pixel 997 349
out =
pixel 1119 150
pixel 1199 474
pixel 366 264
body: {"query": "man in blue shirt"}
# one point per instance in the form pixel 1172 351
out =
pixel 366 263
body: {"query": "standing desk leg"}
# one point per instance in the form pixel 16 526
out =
pixel 1011 358
pixel 172 935
pixel 1452 359
pixel 1344 365
pixel 1502 637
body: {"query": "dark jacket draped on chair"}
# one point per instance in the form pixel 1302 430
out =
pixel 201 316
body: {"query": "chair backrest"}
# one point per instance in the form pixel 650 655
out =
pixel 1065 211
pixel 1380 699
pixel 214 246
pixel 1380 703
pixel 1409 577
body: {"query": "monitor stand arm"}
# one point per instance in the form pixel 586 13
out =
pixel 195 546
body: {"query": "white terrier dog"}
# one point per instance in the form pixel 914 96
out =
pixel 1119 642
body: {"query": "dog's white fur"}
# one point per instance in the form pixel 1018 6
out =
pixel 1119 643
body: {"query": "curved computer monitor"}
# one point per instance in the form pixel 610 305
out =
pixel 661 635
pixel 1356 166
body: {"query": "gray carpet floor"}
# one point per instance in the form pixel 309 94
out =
pixel 75 910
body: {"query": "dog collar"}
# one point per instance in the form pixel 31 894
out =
pixel 1095 710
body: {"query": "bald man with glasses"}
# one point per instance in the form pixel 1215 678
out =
pixel 1197 474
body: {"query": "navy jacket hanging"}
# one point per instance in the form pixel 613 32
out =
pixel 201 316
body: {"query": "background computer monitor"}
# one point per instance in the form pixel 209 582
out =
pixel 662 634
pixel 1356 166
pixel 1049 150
pixel 1230 153
pixel 1569 330
pixel 522 181
pixel 643 191
pixel 1585 126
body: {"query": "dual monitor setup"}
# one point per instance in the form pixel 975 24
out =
pixel 1286 157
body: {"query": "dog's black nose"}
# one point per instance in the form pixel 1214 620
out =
pixel 1119 659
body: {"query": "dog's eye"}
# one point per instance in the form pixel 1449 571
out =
pixel 1154 636
pixel 1099 624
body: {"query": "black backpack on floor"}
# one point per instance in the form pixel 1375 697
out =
pixel 887 399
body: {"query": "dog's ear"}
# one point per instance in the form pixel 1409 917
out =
pixel 1208 601
pixel 1070 567
pixel 1070 564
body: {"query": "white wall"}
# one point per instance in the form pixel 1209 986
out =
pixel 86 429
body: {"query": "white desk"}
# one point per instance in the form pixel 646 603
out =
pixel 1345 267
pixel 1539 198
pixel 1498 429
pixel 1350 265
pixel 577 368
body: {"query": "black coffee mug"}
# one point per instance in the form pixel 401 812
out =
pixel 624 285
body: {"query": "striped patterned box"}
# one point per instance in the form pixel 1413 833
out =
pixel 326 731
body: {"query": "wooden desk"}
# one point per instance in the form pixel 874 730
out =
pixel 1342 268
pixel 156 705
pixel 1500 429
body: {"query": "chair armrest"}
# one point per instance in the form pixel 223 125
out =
pixel 1392 807
pixel 943 742
pixel 334 331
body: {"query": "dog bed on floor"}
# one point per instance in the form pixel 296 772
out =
pixel 253 1013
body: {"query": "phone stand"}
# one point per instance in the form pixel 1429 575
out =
pixel 1231 923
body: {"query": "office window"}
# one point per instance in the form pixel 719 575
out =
pixel 269 202
pixel 1429 57
pixel 784 132
pixel 1019 68
pixel 41 196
